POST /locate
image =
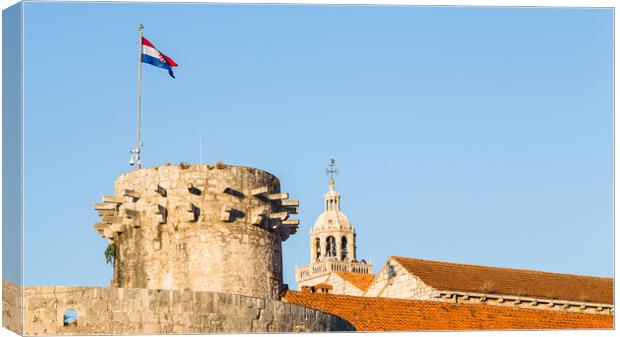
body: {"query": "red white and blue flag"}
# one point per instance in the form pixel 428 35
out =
pixel 154 57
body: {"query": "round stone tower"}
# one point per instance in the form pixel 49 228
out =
pixel 201 227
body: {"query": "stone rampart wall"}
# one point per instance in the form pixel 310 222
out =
pixel 12 303
pixel 150 311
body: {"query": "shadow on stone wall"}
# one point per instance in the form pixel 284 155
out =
pixel 150 311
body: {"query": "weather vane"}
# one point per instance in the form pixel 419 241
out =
pixel 331 170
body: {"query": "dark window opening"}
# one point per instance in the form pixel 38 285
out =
pixel 331 246
pixel 318 248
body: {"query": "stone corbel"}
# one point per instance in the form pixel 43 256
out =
pixel 163 214
pixel 225 214
pixel 259 191
pixel 277 196
pixel 192 213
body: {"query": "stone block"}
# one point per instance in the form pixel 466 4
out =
pixel 113 199
pixel 105 206
pixel 277 196
pixel 290 202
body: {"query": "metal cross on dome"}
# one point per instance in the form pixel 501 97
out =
pixel 332 169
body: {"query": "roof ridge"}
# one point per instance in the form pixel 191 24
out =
pixel 501 268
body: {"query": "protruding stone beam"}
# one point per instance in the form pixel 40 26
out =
pixel 290 202
pixel 163 214
pixel 193 189
pixel 108 233
pixel 192 213
pixel 112 219
pixel 161 191
pixel 291 222
pixel 132 194
pixel 279 215
pixel 259 191
pixel 100 227
pixel 257 219
pixel 105 206
pixel 113 199
pixel 258 215
pixel 107 212
pixel 277 196
pixel 225 215
pixel 117 227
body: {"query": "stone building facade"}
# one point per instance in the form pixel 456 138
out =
pixel 408 278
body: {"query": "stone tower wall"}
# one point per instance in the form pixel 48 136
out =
pixel 200 227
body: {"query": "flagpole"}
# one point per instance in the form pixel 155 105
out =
pixel 139 146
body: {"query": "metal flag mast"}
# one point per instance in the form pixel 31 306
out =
pixel 135 153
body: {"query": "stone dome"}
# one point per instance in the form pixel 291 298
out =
pixel 332 220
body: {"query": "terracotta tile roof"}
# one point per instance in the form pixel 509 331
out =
pixel 389 314
pixel 361 281
pixel 507 281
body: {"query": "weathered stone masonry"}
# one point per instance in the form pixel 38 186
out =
pixel 197 249
pixel 150 311
pixel 201 227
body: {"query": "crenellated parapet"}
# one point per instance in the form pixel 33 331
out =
pixel 203 227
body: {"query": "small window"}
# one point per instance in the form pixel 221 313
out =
pixel 345 251
pixel 391 271
pixel 70 318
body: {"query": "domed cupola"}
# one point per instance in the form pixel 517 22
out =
pixel 332 237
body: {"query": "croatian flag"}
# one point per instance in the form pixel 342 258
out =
pixel 152 56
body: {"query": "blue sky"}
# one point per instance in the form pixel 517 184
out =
pixel 463 134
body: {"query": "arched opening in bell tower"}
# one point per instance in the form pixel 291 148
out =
pixel 317 245
pixel 344 254
pixel 330 246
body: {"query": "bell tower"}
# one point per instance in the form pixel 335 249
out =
pixel 332 241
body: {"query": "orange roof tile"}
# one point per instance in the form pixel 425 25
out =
pixel 389 314
pixel 361 281
pixel 507 281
